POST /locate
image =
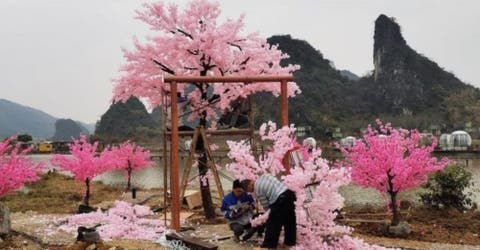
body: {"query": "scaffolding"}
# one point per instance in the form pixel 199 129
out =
pixel 176 191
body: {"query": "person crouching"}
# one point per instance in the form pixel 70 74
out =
pixel 238 207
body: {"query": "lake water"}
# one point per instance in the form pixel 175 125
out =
pixel 354 196
pixel 151 177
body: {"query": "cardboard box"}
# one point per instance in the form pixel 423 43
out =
pixel 193 198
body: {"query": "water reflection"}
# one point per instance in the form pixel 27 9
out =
pixel 354 196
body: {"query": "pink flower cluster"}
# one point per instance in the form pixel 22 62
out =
pixel 392 160
pixel 245 166
pixel 194 42
pixel 85 162
pixel 314 183
pixel 128 157
pixel 15 167
pixel 123 221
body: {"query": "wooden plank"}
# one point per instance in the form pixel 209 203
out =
pixel 361 221
pixel 182 216
pixel 211 163
pixel 191 242
pixel 236 131
pixel 188 164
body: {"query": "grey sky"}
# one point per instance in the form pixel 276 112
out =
pixel 59 55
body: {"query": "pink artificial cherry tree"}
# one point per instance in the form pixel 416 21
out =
pixel 315 184
pixel 15 167
pixel 129 157
pixel 391 161
pixel 84 163
pixel 194 42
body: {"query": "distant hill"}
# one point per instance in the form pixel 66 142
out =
pixel 349 75
pixel 87 128
pixel 325 92
pixel 16 118
pixel 129 120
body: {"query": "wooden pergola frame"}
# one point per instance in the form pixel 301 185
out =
pixel 174 143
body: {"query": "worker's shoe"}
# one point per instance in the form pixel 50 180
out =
pixel 236 238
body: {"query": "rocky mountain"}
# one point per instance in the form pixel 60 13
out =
pixel 405 88
pixel 129 120
pixel 406 80
pixel 65 129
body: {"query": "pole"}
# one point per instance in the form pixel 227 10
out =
pixel 174 187
pixel 284 103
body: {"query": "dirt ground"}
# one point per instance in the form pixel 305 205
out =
pixel 39 208
pixel 430 225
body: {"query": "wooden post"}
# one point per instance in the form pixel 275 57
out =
pixel 283 103
pixel 284 119
pixel 165 160
pixel 174 188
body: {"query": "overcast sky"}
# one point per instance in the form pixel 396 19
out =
pixel 60 55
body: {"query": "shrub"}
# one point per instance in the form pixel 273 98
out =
pixel 446 189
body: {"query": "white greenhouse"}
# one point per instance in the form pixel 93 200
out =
pixel 458 140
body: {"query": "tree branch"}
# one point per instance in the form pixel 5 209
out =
pixel 190 68
pixel 185 33
pixel 195 53
pixel 235 45
pixel 245 61
pixel 164 67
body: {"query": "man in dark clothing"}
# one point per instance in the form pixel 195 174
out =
pixel 237 207
pixel 276 197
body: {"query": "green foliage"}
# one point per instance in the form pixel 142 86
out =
pixel 446 189
pixel 24 138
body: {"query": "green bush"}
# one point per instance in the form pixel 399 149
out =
pixel 446 189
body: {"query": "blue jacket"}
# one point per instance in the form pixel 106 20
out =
pixel 232 205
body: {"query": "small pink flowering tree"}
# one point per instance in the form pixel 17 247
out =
pixel 15 167
pixel 84 163
pixel 194 42
pixel 391 161
pixel 129 157
pixel 314 183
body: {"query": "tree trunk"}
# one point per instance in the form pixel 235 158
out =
pixel 129 176
pixel 87 192
pixel 397 217
pixel 207 203
pixel 393 201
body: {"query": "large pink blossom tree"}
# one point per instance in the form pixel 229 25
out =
pixel 129 157
pixel 15 167
pixel 314 182
pixel 391 161
pixel 84 162
pixel 194 42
